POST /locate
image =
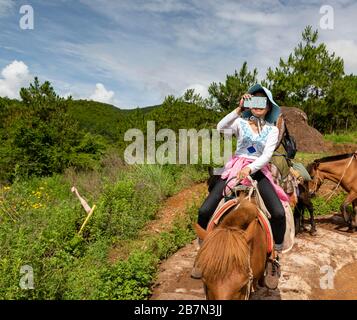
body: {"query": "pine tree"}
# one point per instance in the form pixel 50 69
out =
pixel 228 94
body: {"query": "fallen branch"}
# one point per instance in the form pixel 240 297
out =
pixel 86 220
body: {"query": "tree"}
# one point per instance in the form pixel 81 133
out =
pixel 342 99
pixel 227 95
pixel 306 77
pixel 42 138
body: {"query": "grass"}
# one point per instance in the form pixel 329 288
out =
pixel 324 207
pixel 306 158
pixel 347 137
pixel 40 219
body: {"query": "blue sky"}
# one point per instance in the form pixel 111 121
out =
pixel 134 53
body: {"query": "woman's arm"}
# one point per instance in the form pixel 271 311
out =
pixel 228 122
pixel 269 148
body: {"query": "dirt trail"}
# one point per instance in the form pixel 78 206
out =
pixel 173 207
pixel 305 268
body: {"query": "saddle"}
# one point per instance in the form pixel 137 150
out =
pixel 232 200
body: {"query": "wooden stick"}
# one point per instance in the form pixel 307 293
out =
pixel 86 220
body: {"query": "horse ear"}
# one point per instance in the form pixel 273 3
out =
pixel 250 231
pixel 201 233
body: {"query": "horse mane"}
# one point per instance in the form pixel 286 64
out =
pixel 225 249
pixel 316 162
pixel 215 262
pixel 334 158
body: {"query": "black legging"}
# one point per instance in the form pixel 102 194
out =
pixel 270 198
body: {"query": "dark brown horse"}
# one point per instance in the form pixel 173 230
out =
pixel 304 202
pixel 341 169
pixel 233 256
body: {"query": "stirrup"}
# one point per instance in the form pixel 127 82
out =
pixel 272 273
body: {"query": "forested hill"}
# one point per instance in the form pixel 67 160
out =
pixel 42 133
pixel 102 118
pixel 111 122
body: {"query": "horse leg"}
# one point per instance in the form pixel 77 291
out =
pixel 349 199
pixel 310 208
pixel 302 227
pixel 297 219
pixel 354 215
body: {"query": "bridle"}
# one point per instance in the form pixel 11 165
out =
pixel 318 181
pixel 248 284
pixel 354 156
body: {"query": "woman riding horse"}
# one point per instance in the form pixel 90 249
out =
pixel 257 139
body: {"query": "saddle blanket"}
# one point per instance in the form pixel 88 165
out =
pixel 289 236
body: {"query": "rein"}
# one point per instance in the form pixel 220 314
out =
pixel 249 284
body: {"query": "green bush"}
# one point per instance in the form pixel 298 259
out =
pixel 40 218
pixel 323 207
pixel 39 138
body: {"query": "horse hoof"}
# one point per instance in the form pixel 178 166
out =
pixel 313 232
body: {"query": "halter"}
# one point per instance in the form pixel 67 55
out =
pixel 344 172
pixel 339 182
pixel 252 188
pixel 316 182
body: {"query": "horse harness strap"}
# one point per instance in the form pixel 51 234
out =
pixel 250 282
pixel 260 200
pixel 343 175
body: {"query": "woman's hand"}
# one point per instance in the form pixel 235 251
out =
pixel 240 107
pixel 245 172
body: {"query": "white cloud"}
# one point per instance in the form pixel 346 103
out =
pixel 164 6
pixel 255 18
pixel 101 94
pixel 200 89
pixel 14 76
pixel 6 6
pixel 152 48
pixel 346 49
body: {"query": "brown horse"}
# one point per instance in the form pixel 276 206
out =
pixel 233 256
pixel 341 169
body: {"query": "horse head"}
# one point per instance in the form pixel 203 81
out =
pixel 317 179
pixel 225 258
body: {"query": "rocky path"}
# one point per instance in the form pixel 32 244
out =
pixel 318 267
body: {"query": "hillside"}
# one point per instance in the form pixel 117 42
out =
pixel 101 118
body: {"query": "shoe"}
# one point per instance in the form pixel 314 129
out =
pixel 196 273
pixel 272 273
